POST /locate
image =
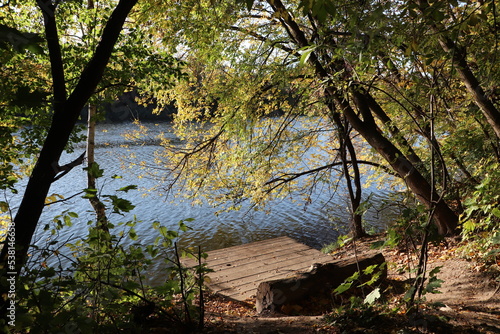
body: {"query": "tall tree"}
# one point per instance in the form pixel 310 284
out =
pixel 346 45
pixel 66 110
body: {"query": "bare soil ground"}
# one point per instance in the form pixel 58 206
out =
pixel 469 302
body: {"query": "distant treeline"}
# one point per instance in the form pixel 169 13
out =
pixel 127 109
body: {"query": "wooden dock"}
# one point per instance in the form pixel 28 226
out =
pixel 238 270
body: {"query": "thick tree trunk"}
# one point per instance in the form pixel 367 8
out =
pixel 445 219
pixel 66 113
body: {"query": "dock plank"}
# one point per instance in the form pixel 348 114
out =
pixel 238 270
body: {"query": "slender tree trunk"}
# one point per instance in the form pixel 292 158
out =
pixel 346 146
pixel 99 207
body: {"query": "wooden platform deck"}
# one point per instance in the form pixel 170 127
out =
pixel 238 270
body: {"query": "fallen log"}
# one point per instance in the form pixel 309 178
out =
pixel 271 295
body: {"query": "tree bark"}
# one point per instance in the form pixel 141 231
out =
pixel 271 295
pixel 445 219
pixel 66 112
pixel 99 207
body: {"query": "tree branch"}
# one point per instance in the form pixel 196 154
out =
pixel 94 70
pixel 261 38
pixel 55 55
pixel 288 177
pixel 68 167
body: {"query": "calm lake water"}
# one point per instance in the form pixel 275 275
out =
pixel 316 224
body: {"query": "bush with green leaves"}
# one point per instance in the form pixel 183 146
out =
pixel 481 217
pixel 366 278
pixel 104 289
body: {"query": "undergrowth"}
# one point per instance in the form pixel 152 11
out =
pixel 100 283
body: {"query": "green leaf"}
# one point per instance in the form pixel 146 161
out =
pixel 94 170
pixel 163 231
pixel 370 269
pixel 342 288
pixel 409 293
pixel 372 297
pixel 132 234
pixel 306 54
pixel 67 220
pixel 375 278
pixel 353 277
pixel 469 225
pixel 73 214
pixel 183 227
pixel 4 206
pixel 496 212
pixel 119 204
pixel 496 238
pixel 127 188
pixel 435 271
pixel 433 285
pixel 89 193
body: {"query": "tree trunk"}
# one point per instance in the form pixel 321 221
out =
pixel 66 113
pixel 357 230
pixel 99 207
pixel 445 219
pixel 396 134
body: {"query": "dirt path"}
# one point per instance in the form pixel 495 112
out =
pixel 470 298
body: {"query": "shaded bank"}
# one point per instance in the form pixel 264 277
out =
pixel 127 109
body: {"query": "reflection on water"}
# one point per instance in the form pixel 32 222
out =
pixel 317 224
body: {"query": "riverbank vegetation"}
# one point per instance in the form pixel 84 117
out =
pixel 274 99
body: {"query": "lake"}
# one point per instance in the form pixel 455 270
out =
pixel 316 224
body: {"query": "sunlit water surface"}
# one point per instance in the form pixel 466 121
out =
pixel 316 224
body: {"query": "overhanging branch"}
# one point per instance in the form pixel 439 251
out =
pixel 288 177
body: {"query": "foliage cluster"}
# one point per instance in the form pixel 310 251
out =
pixel 99 283
pixel 250 65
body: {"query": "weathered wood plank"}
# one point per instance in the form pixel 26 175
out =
pixel 246 280
pixel 256 250
pixel 238 270
pixel 253 246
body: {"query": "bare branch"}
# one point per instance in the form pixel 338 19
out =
pixel 68 167
pixel 277 44
pixel 285 178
